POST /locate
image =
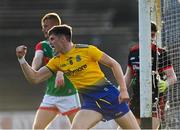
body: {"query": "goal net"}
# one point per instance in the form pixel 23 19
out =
pixel 170 37
pixel 166 15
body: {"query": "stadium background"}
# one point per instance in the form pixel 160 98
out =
pixel 110 25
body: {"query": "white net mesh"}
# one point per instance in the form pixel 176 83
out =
pixel 170 15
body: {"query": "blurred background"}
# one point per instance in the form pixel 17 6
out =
pixel 110 25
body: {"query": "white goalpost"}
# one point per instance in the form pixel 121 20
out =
pixel 145 63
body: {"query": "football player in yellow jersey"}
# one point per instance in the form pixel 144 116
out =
pixel 101 100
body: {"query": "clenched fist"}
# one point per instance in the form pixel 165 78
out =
pixel 21 51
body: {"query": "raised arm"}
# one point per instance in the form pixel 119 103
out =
pixel 31 75
pixel 118 74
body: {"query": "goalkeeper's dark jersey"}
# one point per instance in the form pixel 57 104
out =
pixel 160 62
pixel 66 90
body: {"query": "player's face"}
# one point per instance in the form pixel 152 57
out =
pixel 56 42
pixel 47 24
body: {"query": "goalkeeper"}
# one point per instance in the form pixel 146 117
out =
pixel 162 76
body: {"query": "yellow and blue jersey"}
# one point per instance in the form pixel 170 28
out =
pixel 81 66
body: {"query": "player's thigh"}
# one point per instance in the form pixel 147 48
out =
pixel 86 119
pixel 127 121
pixel 68 104
pixel 43 118
pixel 71 116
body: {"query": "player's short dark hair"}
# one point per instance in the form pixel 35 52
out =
pixel 153 27
pixel 61 30
pixel 51 16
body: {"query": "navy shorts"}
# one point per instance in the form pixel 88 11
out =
pixel 104 101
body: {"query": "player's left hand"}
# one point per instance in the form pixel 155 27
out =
pixel 59 82
pixel 162 86
pixel 123 96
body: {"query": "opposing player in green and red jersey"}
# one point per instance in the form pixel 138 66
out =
pixel 64 99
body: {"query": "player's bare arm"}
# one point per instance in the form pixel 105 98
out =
pixel 118 74
pixel 31 75
pixel 37 60
pixel 128 76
